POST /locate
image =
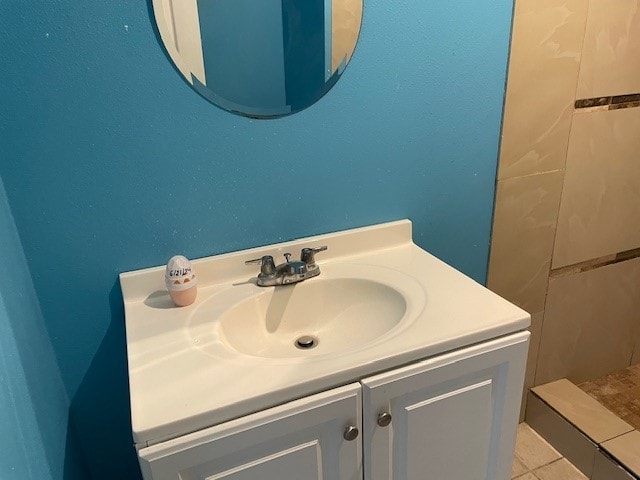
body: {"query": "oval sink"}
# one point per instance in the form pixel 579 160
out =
pixel 333 314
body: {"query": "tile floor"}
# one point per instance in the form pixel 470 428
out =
pixel 619 392
pixel 535 459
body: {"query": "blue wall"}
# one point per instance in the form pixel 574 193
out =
pixel 112 163
pixel 37 441
pixel 22 453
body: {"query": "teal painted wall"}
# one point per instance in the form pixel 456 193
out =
pixel 22 453
pixel 112 163
pixel 37 442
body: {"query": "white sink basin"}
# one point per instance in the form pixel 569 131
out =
pixel 348 307
pixel 313 317
pixel 334 312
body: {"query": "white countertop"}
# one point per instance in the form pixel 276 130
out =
pixel 183 377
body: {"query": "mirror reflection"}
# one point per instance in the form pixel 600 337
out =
pixel 260 58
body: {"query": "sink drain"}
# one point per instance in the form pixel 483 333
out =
pixel 306 342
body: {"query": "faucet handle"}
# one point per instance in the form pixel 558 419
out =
pixel 267 265
pixel 308 254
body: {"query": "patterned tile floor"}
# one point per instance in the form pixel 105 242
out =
pixel 535 459
pixel 619 392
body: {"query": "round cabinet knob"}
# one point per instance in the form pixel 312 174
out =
pixel 384 419
pixel 350 433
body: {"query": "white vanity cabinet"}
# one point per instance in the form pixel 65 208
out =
pixel 450 417
pixel 426 364
pixel 301 440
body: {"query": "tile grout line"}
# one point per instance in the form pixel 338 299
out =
pixel 615 436
pixel 603 450
pixel 533 471
pixel 550 463
pixel 613 459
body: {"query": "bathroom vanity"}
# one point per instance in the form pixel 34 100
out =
pixel 389 364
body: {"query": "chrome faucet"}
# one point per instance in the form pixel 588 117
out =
pixel 288 272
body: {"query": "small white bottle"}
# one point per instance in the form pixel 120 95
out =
pixel 181 281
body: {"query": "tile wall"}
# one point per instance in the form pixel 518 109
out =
pixel 566 234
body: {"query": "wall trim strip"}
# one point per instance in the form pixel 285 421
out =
pixel 595 263
pixel 612 103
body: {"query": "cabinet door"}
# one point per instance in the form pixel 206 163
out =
pixel 453 417
pixel 301 440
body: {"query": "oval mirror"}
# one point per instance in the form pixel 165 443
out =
pixel 260 58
